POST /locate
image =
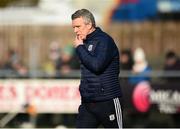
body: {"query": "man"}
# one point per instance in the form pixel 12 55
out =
pixel 172 64
pixel 100 89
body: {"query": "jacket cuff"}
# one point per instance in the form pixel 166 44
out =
pixel 79 48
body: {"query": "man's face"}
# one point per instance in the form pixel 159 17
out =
pixel 81 28
pixel 171 61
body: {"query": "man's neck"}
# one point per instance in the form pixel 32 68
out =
pixel 92 30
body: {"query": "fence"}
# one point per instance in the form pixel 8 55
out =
pixel 32 41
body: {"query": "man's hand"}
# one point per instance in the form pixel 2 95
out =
pixel 78 41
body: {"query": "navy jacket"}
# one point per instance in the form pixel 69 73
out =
pixel 99 58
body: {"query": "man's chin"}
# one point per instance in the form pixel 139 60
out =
pixel 83 38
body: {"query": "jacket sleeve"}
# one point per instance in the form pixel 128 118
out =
pixel 97 62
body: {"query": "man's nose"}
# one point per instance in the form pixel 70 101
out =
pixel 75 30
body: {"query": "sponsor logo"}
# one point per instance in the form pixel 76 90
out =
pixel 111 117
pixel 141 96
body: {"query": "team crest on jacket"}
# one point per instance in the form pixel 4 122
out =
pixel 111 117
pixel 90 47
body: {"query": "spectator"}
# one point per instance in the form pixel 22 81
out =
pixel 126 60
pixel 69 61
pixel 126 64
pixel 51 66
pixel 61 61
pixel 13 65
pixel 141 69
pixel 65 67
pixel 172 64
pixel 11 58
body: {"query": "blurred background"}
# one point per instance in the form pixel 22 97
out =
pixel 39 70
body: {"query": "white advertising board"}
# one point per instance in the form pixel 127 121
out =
pixel 47 96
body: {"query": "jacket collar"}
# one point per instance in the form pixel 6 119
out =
pixel 89 36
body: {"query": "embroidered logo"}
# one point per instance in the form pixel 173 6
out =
pixel 111 117
pixel 90 47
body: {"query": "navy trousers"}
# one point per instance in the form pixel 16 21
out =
pixel 107 113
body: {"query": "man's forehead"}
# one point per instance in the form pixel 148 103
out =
pixel 79 19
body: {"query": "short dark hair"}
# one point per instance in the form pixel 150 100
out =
pixel 86 15
pixel 170 54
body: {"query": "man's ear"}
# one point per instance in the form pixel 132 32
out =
pixel 89 25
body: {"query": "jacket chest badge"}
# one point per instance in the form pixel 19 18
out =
pixel 90 47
